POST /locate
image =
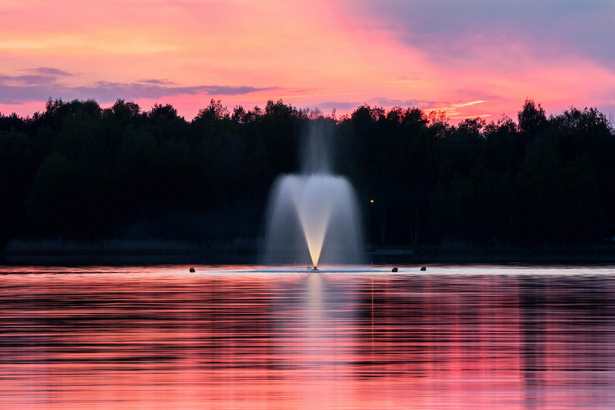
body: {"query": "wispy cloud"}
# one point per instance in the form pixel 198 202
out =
pixel 231 90
pixel 157 81
pixel 454 109
pixel 50 71
pixel 338 105
pixel 395 102
pixel 468 103
pixel 44 82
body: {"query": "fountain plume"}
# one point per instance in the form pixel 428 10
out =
pixel 313 215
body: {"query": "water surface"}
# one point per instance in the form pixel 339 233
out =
pixel 242 338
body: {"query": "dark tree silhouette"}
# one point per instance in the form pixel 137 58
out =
pixel 76 170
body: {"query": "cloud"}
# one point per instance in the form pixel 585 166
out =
pixel 34 77
pixel 452 29
pixel 50 71
pixel 25 79
pixel 44 83
pixel 157 81
pixel 338 105
pixel 454 109
pixel 468 103
pixel 233 90
pixel 395 102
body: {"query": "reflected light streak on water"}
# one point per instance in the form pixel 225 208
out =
pixel 238 338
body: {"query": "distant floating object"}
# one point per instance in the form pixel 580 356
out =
pixel 192 270
pixel 423 268
pixel 315 268
pixel 394 269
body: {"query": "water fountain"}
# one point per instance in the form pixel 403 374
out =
pixel 313 216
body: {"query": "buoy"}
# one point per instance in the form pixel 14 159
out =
pixel 192 270
pixel 315 268
pixel 394 269
pixel 423 268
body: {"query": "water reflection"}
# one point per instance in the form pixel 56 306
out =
pixel 160 338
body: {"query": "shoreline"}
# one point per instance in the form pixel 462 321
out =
pixel 144 252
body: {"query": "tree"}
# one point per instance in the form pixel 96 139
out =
pixel 77 170
pixel 532 118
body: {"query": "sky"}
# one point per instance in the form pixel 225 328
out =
pixel 469 58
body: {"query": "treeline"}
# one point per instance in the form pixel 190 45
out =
pixel 82 172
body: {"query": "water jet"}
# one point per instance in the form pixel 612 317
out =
pixel 313 215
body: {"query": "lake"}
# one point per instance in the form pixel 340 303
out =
pixel 248 337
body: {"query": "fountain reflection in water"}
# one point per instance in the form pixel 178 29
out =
pixel 313 216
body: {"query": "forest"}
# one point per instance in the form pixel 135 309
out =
pixel 79 171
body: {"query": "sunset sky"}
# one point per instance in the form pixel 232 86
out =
pixel 470 58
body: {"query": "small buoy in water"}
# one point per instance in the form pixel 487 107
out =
pixel 423 268
pixel 394 269
pixel 314 268
pixel 192 270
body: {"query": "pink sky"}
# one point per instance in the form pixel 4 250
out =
pixel 326 54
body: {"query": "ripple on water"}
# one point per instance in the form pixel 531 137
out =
pixel 244 338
